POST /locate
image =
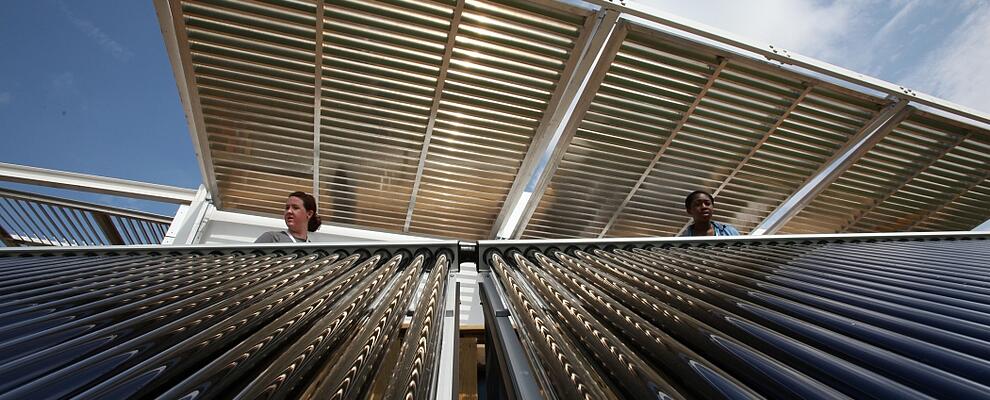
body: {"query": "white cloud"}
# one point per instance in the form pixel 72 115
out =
pixel 869 36
pixel 5 98
pixel 959 69
pixel 807 27
pixel 64 84
pixel 892 25
pixel 102 39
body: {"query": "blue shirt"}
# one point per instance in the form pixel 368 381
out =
pixel 720 230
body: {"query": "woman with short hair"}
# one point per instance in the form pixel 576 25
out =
pixel 701 206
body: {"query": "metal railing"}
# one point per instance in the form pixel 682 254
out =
pixel 28 219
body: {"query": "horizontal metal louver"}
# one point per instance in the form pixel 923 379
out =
pixel 927 174
pixel 262 321
pixel 253 71
pixel 379 70
pixel 799 317
pixel 508 64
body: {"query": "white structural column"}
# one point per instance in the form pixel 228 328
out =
pixel 609 42
pixel 94 183
pixel 188 220
pixel 575 73
pixel 455 22
pixel 869 136
pixel 317 100
pixel 173 28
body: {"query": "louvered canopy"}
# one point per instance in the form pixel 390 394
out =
pixel 426 108
pixel 928 174
pixel 668 118
pixel 435 117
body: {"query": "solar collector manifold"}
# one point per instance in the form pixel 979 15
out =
pixel 845 316
pixel 259 321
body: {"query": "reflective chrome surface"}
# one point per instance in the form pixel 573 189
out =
pixel 262 322
pixel 812 317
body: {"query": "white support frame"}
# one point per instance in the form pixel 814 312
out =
pixel 188 220
pixel 866 139
pixel 448 337
pixel 95 184
pixel 173 29
pixel 455 23
pixel 578 68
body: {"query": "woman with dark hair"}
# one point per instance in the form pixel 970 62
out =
pixel 300 219
pixel 701 206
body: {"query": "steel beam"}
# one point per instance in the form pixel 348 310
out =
pixel 455 22
pixel 575 72
pixel 94 183
pixel 599 66
pixel 445 385
pixel 855 148
pixel 109 230
pixel 509 375
pixel 173 28
pixel 663 147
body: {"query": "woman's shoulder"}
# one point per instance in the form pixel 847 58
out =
pixel 726 229
pixel 271 237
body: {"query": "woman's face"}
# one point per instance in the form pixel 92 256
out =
pixel 296 217
pixel 701 208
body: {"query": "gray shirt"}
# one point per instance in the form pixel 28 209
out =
pixel 278 237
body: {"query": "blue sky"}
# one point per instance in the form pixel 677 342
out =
pixel 87 86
